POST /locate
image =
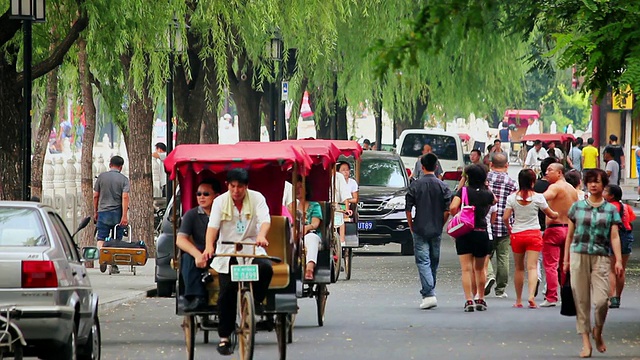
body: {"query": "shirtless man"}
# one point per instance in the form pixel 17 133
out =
pixel 560 195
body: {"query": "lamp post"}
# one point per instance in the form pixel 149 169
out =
pixel 175 44
pixel 275 53
pixel 28 11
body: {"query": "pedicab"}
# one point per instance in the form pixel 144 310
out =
pixel 269 166
pixel 562 141
pixel 324 156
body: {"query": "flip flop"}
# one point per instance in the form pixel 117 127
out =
pixel 532 304
pixel 519 306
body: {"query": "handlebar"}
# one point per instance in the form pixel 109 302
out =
pixel 236 255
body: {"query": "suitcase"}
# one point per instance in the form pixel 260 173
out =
pixel 118 252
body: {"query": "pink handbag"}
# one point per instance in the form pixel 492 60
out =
pixel 464 221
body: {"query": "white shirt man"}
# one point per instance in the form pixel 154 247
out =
pixel 535 156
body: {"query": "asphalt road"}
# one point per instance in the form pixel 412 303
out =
pixel 375 315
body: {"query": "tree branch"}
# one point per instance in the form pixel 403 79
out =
pixel 56 57
pixel 9 27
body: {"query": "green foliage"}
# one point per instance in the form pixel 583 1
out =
pixel 565 107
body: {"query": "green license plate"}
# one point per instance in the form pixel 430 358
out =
pixel 244 273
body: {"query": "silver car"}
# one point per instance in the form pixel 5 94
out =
pixel 42 277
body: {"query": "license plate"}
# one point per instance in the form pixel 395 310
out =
pixel 365 225
pixel 244 273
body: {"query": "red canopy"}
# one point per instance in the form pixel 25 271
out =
pixel 464 137
pixel 268 163
pixel 520 118
pixel 347 147
pixel 321 151
pixel 546 138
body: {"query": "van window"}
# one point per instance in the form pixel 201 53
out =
pixel 443 146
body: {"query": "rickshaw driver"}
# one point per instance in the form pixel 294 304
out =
pixel 237 215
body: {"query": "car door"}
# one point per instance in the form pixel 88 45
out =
pixel 81 285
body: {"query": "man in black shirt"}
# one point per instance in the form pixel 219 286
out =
pixel 191 240
pixel 430 197
pixel 618 154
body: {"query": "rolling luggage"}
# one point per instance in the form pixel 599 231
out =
pixel 119 252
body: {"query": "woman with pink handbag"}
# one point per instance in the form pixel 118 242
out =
pixel 472 241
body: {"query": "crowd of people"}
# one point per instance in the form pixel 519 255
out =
pixel 548 220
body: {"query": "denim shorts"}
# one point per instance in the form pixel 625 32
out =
pixel 626 238
pixel 107 220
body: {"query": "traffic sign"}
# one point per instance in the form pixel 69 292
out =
pixel 285 91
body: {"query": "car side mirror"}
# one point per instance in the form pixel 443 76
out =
pixel 90 253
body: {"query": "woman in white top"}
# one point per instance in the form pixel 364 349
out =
pixel 526 238
pixel 344 168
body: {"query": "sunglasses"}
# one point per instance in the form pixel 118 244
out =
pixel 206 193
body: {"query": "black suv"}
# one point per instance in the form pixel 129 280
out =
pixel 383 185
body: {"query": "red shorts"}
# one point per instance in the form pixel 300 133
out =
pixel 528 240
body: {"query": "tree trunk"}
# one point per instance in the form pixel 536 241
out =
pixel 295 109
pixel 377 111
pixel 322 119
pixel 246 98
pixel 86 170
pixel 10 136
pixel 42 136
pixel 421 107
pixel 209 129
pixel 138 141
pixel 342 121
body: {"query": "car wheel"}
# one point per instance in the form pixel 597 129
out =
pixel 406 248
pixel 91 350
pixel 165 288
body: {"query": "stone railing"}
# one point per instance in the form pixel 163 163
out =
pixel 61 180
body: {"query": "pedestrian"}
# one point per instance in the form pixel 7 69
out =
pixel 366 144
pixel 238 215
pixel 111 203
pixel 618 156
pixel 160 154
pixel 417 169
pixel 505 136
pixel 552 150
pixel 589 156
pixel 575 155
pixel 612 168
pixel 573 177
pixel 535 155
pixel 501 185
pixel 344 168
pixel 526 238
pixel 430 197
pixel 473 247
pixel 492 215
pixel 476 158
pixel 613 194
pixel 591 237
pixel 542 184
pixel 191 240
pixel 560 195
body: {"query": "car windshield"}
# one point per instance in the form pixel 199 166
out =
pixel 444 146
pixel 382 172
pixel 21 227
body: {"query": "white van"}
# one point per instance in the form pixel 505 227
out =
pixel 447 146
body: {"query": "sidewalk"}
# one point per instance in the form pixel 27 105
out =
pixel 114 290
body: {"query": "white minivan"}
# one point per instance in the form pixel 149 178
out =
pixel 447 146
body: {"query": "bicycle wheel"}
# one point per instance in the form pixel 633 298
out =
pixel 348 256
pixel 247 329
pixel 336 258
pixel 189 327
pixel 321 302
pixel 281 333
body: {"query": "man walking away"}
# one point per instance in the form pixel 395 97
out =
pixel 111 202
pixel 430 197
pixel 618 156
pixel 612 167
pixel 501 185
pixel 417 171
pixel 575 155
pixel 589 156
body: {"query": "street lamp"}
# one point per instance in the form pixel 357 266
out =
pixel 275 53
pixel 174 39
pixel 28 11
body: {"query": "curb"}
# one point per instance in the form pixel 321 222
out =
pixel 151 291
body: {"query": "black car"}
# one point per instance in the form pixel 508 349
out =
pixel 383 185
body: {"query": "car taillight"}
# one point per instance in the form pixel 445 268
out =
pixel 38 274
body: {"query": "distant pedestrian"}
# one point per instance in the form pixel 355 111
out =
pixel 430 197
pixel 573 177
pixel 592 236
pixel 160 154
pixel 366 144
pixel 473 247
pixel 574 159
pixel 501 185
pixel 526 238
pixel 618 156
pixel 535 155
pixel 612 168
pixel 589 156
pixel 111 202
pixel 417 169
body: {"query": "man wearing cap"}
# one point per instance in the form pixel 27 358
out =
pixel 535 156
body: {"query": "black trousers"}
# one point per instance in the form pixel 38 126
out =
pixel 228 298
pixel 192 277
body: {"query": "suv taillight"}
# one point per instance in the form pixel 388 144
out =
pixel 39 274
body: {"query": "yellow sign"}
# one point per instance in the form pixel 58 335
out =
pixel 621 102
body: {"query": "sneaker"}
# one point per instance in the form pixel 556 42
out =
pixel 548 304
pixel 488 286
pixel 614 303
pixel 469 306
pixel 481 305
pixel 502 296
pixel 428 303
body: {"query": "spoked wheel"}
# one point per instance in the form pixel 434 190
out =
pixel 247 328
pixel 291 319
pixel 321 302
pixel 336 258
pixel 347 257
pixel 282 327
pixel 189 327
